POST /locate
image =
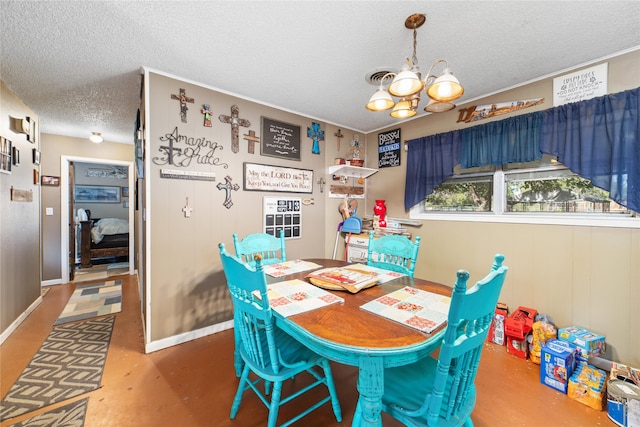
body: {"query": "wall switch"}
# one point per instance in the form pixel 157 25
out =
pixel 49 211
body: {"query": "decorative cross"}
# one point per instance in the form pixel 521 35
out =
pixel 339 136
pixel 170 149
pixel 317 135
pixel 187 209
pixel 252 138
pixel 228 186
pixel 235 122
pixel 183 98
pixel 207 115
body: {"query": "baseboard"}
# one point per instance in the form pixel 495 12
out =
pixel 7 332
pixel 187 336
pixel 51 282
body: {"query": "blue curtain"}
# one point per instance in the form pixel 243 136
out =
pixel 512 140
pixel 430 160
pixel 599 139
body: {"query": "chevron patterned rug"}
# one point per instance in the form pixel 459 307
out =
pixel 69 363
pixel 70 415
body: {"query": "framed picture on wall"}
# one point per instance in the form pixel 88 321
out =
pixel 36 156
pixel 5 155
pixel 125 191
pixel 15 156
pixel 50 180
pixel 97 194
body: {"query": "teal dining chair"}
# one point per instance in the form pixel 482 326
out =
pixel 270 354
pixel 442 390
pixel 271 249
pixel 393 252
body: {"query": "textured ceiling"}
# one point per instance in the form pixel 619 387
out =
pixel 77 64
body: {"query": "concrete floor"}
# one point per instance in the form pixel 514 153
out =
pixel 193 384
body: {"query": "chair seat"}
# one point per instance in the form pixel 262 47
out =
pixel 419 378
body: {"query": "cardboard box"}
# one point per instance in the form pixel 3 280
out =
pixel 519 324
pixel 588 385
pixel 587 342
pixel 619 371
pixel 557 364
pixel 496 330
pixel 517 347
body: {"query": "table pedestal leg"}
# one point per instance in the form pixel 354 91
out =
pixel 370 387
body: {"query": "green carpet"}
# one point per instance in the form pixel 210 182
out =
pixel 92 300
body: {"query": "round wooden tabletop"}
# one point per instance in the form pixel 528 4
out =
pixel 348 326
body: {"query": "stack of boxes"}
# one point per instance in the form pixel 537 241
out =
pixel 571 351
pixel 517 327
pixel 564 363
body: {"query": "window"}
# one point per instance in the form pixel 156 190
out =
pixel 535 192
pixel 557 191
pixel 462 194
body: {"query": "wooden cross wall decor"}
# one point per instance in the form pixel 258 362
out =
pixel 252 138
pixel 234 121
pixel 338 136
pixel 317 134
pixel 187 209
pixel 207 115
pixel 227 187
pixel 183 98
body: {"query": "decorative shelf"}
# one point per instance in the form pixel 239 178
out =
pixel 351 171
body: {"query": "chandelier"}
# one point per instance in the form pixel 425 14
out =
pixel 408 83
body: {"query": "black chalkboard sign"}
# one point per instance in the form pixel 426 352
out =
pixel 280 139
pixel 389 148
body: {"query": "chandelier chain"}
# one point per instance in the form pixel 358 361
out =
pixel 415 44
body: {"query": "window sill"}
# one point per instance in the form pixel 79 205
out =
pixel 550 219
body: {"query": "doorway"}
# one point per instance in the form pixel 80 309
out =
pixel 101 171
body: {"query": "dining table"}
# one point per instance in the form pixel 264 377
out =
pixel 347 334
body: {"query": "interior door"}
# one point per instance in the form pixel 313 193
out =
pixel 72 226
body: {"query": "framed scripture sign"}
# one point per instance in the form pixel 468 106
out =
pixel 280 139
pixel 277 178
pixel 389 148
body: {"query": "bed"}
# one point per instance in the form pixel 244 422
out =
pixel 103 237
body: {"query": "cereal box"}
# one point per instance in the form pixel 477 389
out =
pixel 557 363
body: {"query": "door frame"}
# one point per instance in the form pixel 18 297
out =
pixel 65 161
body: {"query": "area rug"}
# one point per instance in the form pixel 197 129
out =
pixel 84 277
pixel 118 265
pixel 92 300
pixel 69 363
pixel 70 415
